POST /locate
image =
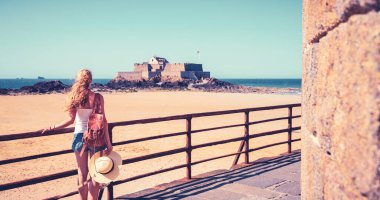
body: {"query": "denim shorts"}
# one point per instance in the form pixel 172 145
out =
pixel 78 144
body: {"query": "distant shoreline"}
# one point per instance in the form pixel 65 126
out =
pixel 252 82
pixel 124 86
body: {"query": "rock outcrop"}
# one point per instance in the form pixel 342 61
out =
pixel 42 87
pixel 341 100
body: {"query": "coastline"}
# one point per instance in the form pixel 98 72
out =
pixel 117 85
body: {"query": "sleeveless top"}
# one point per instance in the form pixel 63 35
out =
pixel 81 119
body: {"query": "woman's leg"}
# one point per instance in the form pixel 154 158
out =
pixel 94 186
pixel 82 174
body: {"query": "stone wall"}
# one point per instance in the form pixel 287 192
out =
pixel 179 75
pixel 201 75
pixel 148 75
pixel 173 67
pixel 341 99
pixel 132 76
pixel 144 67
pixel 171 75
pixel 193 67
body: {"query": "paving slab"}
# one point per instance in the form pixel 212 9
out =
pixel 292 188
pixel 290 197
pixel 285 172
pixel 260 181
pixel 218 194
pixel 194 198
pixel 250 191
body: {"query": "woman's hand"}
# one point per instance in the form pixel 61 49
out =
pixel 108 150
pixel 63 124
pixel 47 129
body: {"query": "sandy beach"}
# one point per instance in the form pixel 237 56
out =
pixel 33 112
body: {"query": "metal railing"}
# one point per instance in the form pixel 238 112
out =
pixel 187 149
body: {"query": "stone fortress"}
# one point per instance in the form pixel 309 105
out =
pixel 160 67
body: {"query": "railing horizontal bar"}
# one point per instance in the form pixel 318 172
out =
pixel 34 134
pixel 144 121
pixel 271 145
pixel 149 174
pixel 36 180
pixel 267 120
pixel 154 155
pixel 217 142
pixel 273 132
pixel 204 114
pixel 243 110
pixel 214 158
pixel 215 128
pixel 13 160
pixel 274 119
pixel 148 138
pixel 148 120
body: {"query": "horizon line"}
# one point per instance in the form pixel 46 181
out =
pixel 113 78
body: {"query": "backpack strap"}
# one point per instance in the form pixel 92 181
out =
pixel 97 104
pixel 94 110
pixel 83 148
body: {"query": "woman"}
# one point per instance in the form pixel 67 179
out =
pixel 80 104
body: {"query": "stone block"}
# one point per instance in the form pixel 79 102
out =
pixel 312 162
pixel 341 159
pixel 309 73
pixel 348 104
pixel 321 16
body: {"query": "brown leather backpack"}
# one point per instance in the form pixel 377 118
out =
pixel 94 136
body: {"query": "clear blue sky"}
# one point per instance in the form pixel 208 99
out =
pixel 236 38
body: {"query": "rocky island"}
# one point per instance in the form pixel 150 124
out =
pixel 120 84
pixel 155 74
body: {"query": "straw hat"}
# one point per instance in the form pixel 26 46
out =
pixel 104 169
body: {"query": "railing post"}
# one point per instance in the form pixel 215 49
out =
pixel 290 117
pixel 110 186
pixel 246 139
pixel 236 160
pixel 188 147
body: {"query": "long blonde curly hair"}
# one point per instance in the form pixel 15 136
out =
pixel 78 95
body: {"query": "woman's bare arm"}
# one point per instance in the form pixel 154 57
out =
pixel 63 124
